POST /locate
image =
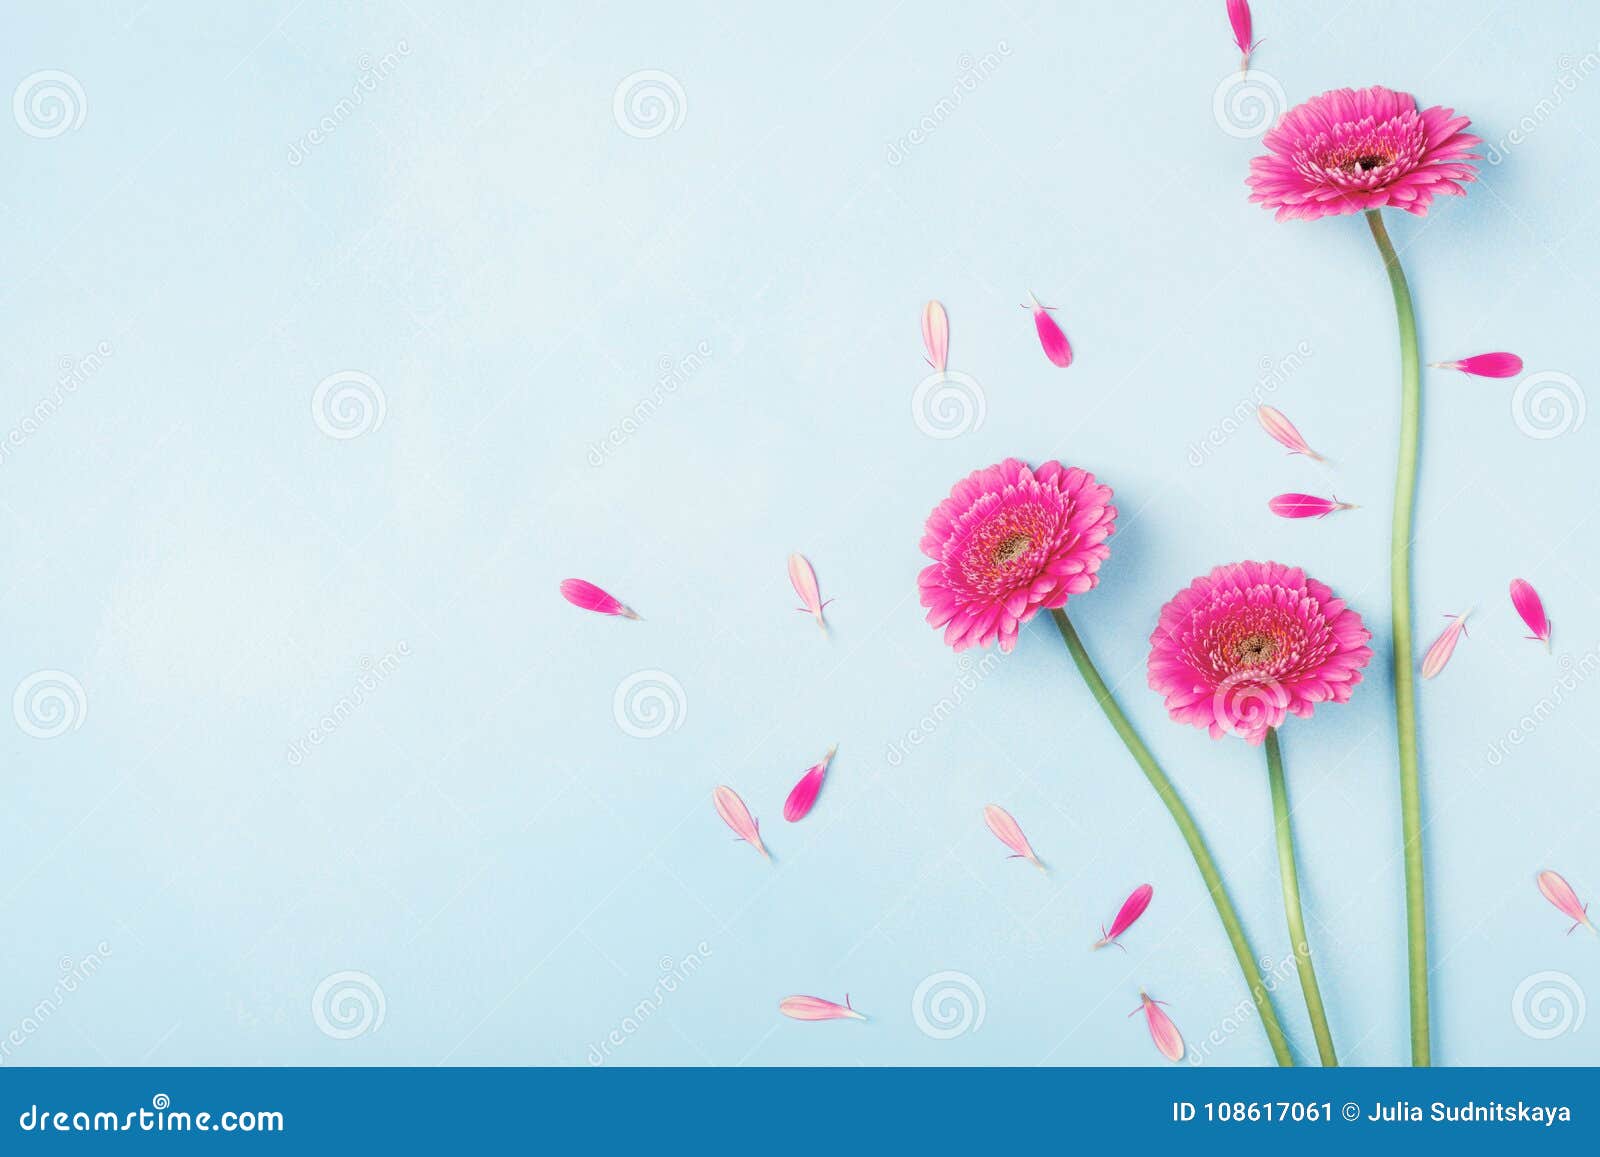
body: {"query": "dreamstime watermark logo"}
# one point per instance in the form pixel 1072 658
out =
pixel 971 73
pixel 72 372
pixel 1574 672
pixel 370 73
pixel 49 103
pixel 348 404
pixel 1569 74
pixel 948 1004
pixel 49 703
pixel 673 973
pixel 1246 104
pixel 1548 1005
pixel 373 674
pixel 1548 404
pixel 649 703
pixel 972 673
pixel 948 404
pixel 649 103
pixel 1245 703
pixel 672 374
pixel 74 972
pixel 1271 376
pixel 1272 976
pixel 347 1005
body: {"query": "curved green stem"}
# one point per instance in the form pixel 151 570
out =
pixel 1405 694
pixel 1191 835
pixel 1291 902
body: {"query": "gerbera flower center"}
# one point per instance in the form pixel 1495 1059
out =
pixel 1011 548
pixel 1256 649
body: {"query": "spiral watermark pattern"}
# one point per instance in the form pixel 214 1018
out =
pixel 1247 104
pixel 49 703
pixel 947 1005
pixel 649 103
pixel 348 1004
pixel 1547 1005
pixel 348 404
pixel 649 703
pixel 49 103
pixel 1548 404
pixel 1245 704
pixel 948 404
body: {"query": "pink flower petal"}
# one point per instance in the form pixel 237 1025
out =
pixel 1009 833
pixel 1553 888
pixel 1495 365
pixel 1239 17
pixel 733 812
pixel 936 335
pixel 804 580
pixel 1531 608
pixel 1132 908
pixel 591 598
pixel 803 797
pixel 815 1008
pixel 1444 646
pixel 1282 430
pixel 1306 506
pixel 1165 1034
pixel 1056 346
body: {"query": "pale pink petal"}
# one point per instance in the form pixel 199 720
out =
pixel 815 1008
pixel 1531 608
pixel 1495 365
pixel 1009 833
pixel 805 585
pixel 804 794
pixel 1132 908
pixel 1056 346
pixel 1560 893
pixel 1283 431
pixel 1444 646
pixel 936 335
pixel 591 598
pixel 1306 506
pixel 1165 1034
pixel 733 812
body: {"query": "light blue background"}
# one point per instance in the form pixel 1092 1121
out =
pixel 481 236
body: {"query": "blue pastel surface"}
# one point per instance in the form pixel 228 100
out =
pixel 339 778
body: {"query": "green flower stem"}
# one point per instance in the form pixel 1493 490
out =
pixel 1291 902
pixel 1405 692
pixel 1191 835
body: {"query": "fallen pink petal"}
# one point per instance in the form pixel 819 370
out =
pixel 1009 833
pixel 591 598
pixel 1495 365
pixel 1163 1032
pixel 1055 344
pixel 1560 893
pixel 1283 431
pixel 1306 506
pixel 1531 607
pixel 815 1008
pixel 1239 17
pixel 936 335
pixel 804 579
pixel 1444 646
pixel 733 812
pixel 1132 908
pixel 803 796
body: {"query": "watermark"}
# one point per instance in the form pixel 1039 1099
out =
pixel 1242 1014
pixel 1547 1005
pixel 649 703
pixel 50 703
pixel 348 404
pixel 160 1117
pixel 1570 73
pixel 72 373
pixel 1548 404
pixel 671 375
pixel 649 103
pixel 1270 378
pixel 947 1005
pixel 971 73
pixel 1245 703
pixel 1246 104
pixel 370 74
pixel 48 103
pixel 972 673
pixel 948 404
pixel 374 673
pixel 348 1004
pixel 673 974
pixel 75 971
pixel 1574 672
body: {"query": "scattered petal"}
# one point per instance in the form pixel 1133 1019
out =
pixel 1283 431
pixel 1495 365
pixel 1166 1035
pixel 592 598
pixel 1306 506
pixel 1444 646
pixel 1056 346
pixel 805 585
pixel 936 335
pixel 1132 908
pixel 815 1008
pixel 733 812
pixel 1553 888
pixel 1239 17
pixel 1531 608
pixel 804 795
pixel 1009 833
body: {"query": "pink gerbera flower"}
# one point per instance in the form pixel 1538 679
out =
pixel 1008 541
pixel 1244 647
pixel 1354 149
